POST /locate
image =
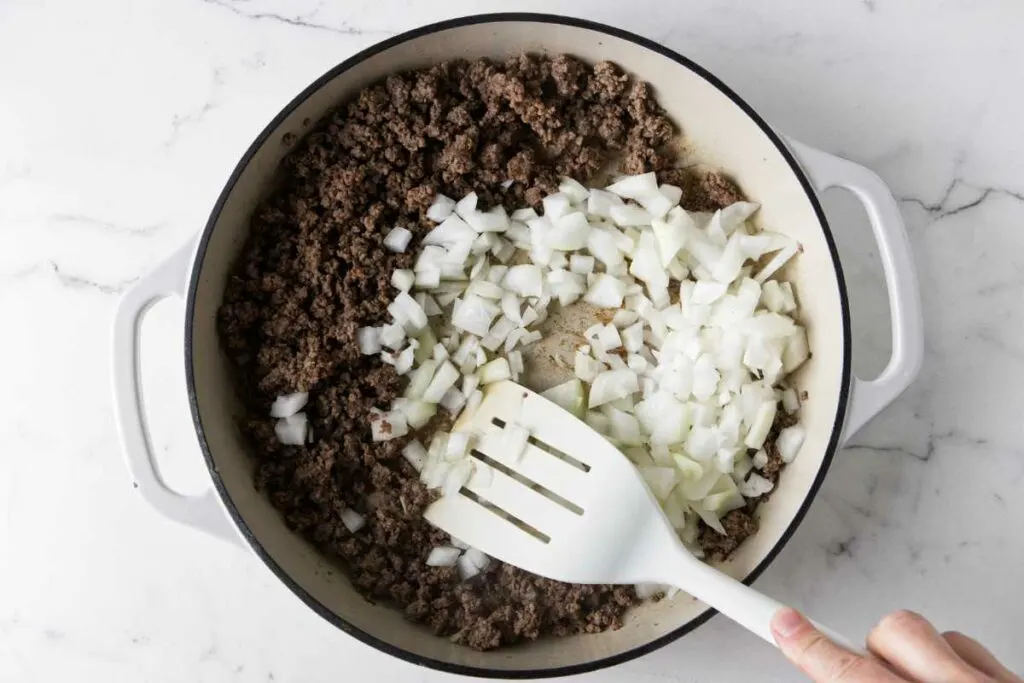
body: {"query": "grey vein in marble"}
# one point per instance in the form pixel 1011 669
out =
pixel 301 21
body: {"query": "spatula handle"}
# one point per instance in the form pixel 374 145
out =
pixel 749 608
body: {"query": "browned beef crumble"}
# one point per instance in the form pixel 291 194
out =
pixel 314 269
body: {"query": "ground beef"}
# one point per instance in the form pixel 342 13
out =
pixel 314 270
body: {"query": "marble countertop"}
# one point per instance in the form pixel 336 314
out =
pixel 119 123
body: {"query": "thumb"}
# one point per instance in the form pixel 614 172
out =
pixel 821 659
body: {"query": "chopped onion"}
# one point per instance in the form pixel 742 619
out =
pixel 635 186
pixel 605 291
pixel 524 280
pixel 474 314
pixel 292 430
pixel 441 208
pixel 467 570
pixel 789 442
pixel 612 385
pixel 443 556
pixel 289 404
pixel 441 382
pixel 415 454
pixel 398 239
pixel 661 480
pixel 388 426
pixel 477 558
pixel 352 520
pixel 495 371
pixel 569 396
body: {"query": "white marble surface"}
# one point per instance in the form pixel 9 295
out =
pixel 120 121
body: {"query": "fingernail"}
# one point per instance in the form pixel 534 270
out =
pixel 787 622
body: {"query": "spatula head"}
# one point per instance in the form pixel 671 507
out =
pixel 568 506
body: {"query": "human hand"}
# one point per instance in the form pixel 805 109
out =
pixel 904 648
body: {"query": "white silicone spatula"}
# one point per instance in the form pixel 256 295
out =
pixel 570 507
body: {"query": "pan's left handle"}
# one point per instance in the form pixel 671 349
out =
pixel 869 397
pixel 201 511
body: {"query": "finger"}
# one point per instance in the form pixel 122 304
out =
pixel 914 649
pixel 819 657
pixel 975 654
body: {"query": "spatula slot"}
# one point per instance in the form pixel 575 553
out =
pixel 547 448
pixel 510 518
pixel 527 482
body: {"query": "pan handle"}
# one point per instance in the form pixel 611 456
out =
pixel 201 511
pixel 868 398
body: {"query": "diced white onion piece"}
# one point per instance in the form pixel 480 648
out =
pixel 473 402
pixel 762 425
pixel 606 291
pixel 403 279
pixel 289 404
pixel 570 232
pixel 415 454
pixel 624 427
pixel 755 485
pixel 796 351
pixel 392 336
pixel 457 446
pixel 442 381
pixel 498 333
pixel 453 400
pixel 633 337
pixel 531 337
pixel 443 556
pixel 474 314
pixel 671 237
pixel 441 208
pixel 494 220
pixel 635 186
pixel 628 215
pixel 368 340
pixel 661 480
pixel 760 459
pixel 434 472
pixel 451 232
pixel 778 261
pixel 569 396
pixel 495 371
pixel 556 205
pixel 352 520
pixel 790 401
pixel 580 264
pixel 515 362
pixel 388 426
pixel 466 568
pixel 789 442
pixel 576 192
pixel 523 215
pixel 467 205
pixel 612 385
pixel 398 240
pixel 292 430
pixel 664 418
pixel 524 280
pixel 600 203
pixel 404 361
pixel 647 265
pixel 706 292
pixel 477 558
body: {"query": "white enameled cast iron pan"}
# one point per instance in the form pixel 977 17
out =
pixel 785 177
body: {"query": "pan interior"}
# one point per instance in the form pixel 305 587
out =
pixel 718 133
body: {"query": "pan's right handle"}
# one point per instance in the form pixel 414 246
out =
pixel 869 397
pixel 200 511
